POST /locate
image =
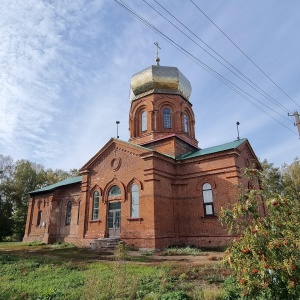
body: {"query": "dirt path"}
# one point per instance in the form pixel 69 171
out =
pixel 206 258
pixel 83 254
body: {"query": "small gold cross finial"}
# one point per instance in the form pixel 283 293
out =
pixel 157 58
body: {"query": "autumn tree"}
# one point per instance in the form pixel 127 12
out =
pixel 265 259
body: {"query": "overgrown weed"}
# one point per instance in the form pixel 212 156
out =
pixel 188 250
pixel 63 245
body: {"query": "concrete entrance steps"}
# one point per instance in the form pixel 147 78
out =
pixel 104 243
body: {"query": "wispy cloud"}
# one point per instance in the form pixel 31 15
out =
pixel 66 68
pixel 38 57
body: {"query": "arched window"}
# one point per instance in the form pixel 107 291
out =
pixel 135 201
pixel 96 198
pixel 114 191
pixel 208 200
pixel 185 123
pixel 68 213
pixel 39 218
pixel 144 121
pixel 167 118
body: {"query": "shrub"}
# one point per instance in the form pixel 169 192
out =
pixel 121 252
pixel 265 259
pixel 36 243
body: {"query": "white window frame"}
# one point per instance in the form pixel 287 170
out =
pixel 96 204
pixel 208 200
pixel 144 121
pixel 167 118
pixel 135 201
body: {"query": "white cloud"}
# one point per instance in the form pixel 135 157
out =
pixel 66 68
pixel 35 67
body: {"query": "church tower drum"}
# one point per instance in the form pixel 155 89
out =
pixel 161 117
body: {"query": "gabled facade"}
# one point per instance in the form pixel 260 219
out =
pixel 156 190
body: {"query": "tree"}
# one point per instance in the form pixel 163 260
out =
pixel 27 176
pixel 6 170
pixel 291 176
pixel 16 181
pixel 59 175
pixel 265 259
pixel 272 179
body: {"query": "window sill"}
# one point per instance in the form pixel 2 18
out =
pixel 112 198
pixel 210 217
pixel 135 219
pixel 95 221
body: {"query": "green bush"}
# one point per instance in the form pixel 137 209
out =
pixel 176 295
pixel 231 289
pixel 36 243
pixel 51 294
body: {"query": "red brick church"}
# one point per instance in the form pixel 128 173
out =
pixel 157 189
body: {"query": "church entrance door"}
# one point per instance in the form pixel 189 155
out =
pixel 114 219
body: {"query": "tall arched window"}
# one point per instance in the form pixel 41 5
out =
pixel 135 201
pixel 185 123
pixel 208 200
pixel 96 198
pixel 68 213
pixel 114 191
pixel 144 120
pixel 167 118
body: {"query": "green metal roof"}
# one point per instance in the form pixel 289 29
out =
pixel 210 150
pixel 57 184
pixel 201 152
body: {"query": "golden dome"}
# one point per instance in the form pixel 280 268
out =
pixel 160 79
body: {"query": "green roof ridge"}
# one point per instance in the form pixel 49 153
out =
pixel 53 186
pixel 213 149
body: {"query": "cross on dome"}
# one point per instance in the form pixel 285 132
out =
pixel 157 58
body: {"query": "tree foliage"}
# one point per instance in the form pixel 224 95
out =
pixel 266 258
pixel 17 179
pixel 291 176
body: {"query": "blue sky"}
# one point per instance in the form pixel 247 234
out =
pixel 66 68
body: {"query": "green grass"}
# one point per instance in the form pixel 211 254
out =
pixel 44 272
pixel 13 244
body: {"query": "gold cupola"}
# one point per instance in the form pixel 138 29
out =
pixel 161 80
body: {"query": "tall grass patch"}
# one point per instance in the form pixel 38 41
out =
pixel 47 273
pixel 188 250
